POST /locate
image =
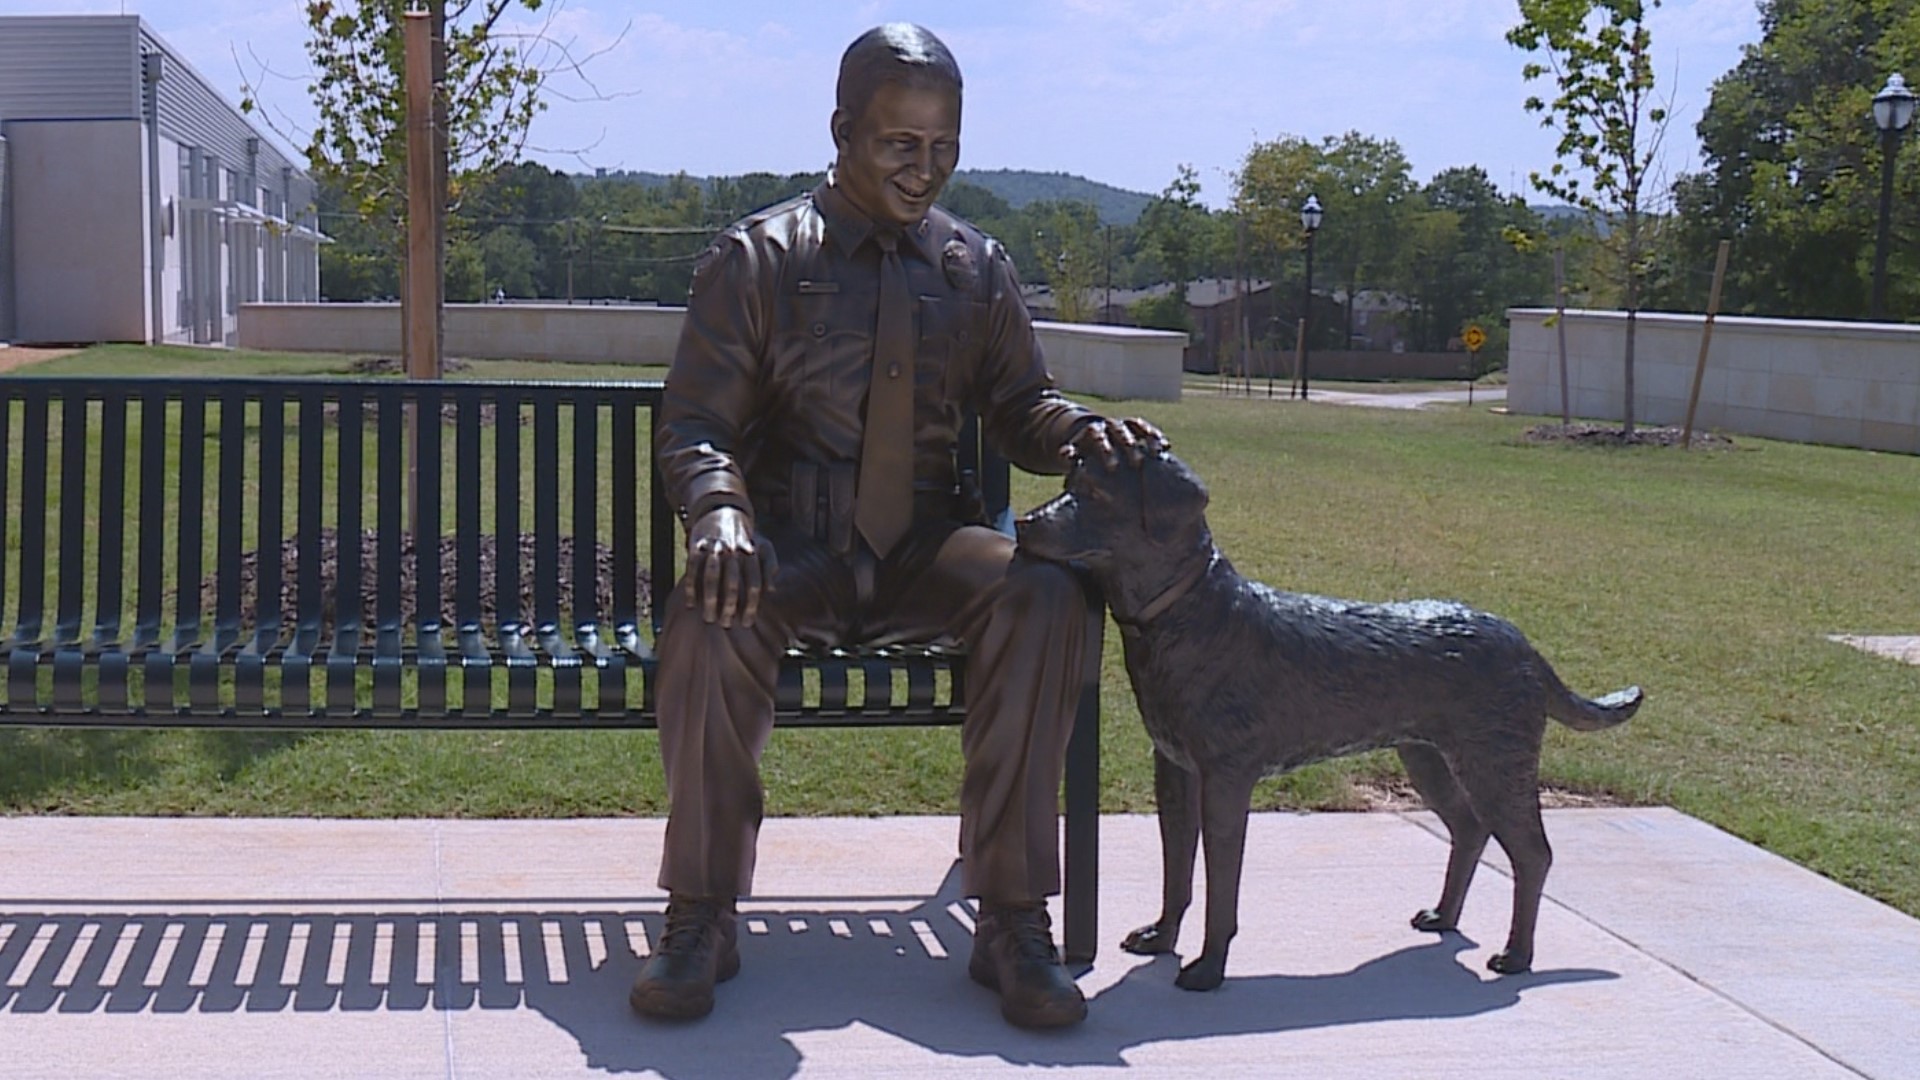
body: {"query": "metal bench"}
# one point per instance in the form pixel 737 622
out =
pixel 239 553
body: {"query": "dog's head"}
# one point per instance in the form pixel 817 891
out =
pixel 1124 520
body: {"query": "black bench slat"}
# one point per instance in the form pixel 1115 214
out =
pixel 231 516
pixel 625 615
pixel 309 597
pixel 31 610
pixel 111 558
pixel 270 525
pixel 467 526
pixel 586 525
pixel 506 510
pixel 73 527
pixel 152 519
pixel 430 655
pixel 6 520
pixel 348 593
pixel 390 462
pixel 190 520
pixel 546 519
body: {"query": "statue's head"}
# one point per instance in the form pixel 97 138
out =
pixel 896 122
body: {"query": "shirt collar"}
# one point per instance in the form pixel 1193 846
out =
pixel 850 228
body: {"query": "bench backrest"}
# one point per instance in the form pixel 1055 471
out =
pixel 176 512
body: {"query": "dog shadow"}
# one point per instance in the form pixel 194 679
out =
pixel 902 974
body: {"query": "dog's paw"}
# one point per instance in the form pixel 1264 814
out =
pixel 1429 919
pixel 1205 973
pixel 1150 940
pixel 1506 963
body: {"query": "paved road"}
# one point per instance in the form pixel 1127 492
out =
pixel 1490 395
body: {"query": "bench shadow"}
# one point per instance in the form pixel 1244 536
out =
pixel 793 983
pixel 893 965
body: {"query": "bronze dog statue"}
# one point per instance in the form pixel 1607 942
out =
pixel 1237 681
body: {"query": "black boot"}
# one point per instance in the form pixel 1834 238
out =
pixel 699 949
pixel 1013 953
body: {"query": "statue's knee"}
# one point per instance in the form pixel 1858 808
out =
pixel 1050 588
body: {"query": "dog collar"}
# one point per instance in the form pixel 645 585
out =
pixel 1169 596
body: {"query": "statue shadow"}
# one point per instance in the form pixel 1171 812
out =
pixel 903 974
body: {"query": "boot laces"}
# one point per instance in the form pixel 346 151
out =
pixel 1030 930
pixel 690 922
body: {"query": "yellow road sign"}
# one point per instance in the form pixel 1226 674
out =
pixel 1473 337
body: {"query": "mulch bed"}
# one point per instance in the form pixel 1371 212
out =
pixel 390 365
pixel 1603 435
pixel 409 578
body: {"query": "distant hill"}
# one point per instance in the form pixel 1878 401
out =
pixel 1019 187
pixel 1557 211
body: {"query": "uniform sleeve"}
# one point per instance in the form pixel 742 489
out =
pixel 710 387
pixel 1025 417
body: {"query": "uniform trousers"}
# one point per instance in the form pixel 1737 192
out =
pixel 1023 624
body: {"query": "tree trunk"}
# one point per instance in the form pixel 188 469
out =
pixel 1347 343
pixel 1633 307
pixel 437 11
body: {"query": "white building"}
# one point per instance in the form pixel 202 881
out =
pixel 135 203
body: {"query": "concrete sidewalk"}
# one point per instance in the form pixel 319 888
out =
pixel 292 948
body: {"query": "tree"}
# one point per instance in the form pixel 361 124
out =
pixel 1068 249
pixel 1461 265
pixel 1174 228
pixel 1598 56
pixel 1791 164
pixel 1363 183
pixel 488 79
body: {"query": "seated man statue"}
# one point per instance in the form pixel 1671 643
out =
pixel 832 348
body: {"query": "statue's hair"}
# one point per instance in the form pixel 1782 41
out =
pixel 898 53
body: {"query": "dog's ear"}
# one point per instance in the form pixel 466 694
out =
pixel 1172 498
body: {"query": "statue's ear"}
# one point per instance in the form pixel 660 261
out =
pixel 1172 498
pixel 841 127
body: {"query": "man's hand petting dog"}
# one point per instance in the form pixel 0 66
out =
pixel 1109 441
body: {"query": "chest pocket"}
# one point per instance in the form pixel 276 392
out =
pixel 950 331
pixel 821 351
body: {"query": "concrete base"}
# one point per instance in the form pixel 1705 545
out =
pixel 204 948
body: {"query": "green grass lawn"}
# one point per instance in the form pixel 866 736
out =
pixel 1711 579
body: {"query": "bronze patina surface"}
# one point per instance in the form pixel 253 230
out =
pixel 821 512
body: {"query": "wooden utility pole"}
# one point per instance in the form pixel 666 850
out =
pixel 1706 339
pixel 421 303
pixel 1560 325
pixel 423 205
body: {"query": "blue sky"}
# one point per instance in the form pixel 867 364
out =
pixel 1117 90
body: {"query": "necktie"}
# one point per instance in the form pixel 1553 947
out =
pixel 885 497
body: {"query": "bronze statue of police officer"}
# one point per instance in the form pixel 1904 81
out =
pixel 833 345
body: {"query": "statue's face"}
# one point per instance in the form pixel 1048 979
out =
pixel 897 154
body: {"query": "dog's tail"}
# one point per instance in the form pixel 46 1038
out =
pixel 1584 714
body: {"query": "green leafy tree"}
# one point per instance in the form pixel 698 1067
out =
pixel 1792 162
pixel 1461 264
pixel 1176 234
pixel 1597 55
pixel 1365 186
pixel 1070 256
pixel 487 80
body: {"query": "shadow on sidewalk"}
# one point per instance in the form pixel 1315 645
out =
pixel 891 965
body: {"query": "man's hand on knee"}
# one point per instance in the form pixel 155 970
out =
pixel 1106 440
pixel 728 567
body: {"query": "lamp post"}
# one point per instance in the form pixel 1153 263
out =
pixel 1310 215
pixel 1892 112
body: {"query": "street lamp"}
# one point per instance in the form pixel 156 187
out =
pixel 1892 112
pixel 1310 215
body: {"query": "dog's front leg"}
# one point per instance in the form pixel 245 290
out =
pixel 1176 794
pixel 1224 802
